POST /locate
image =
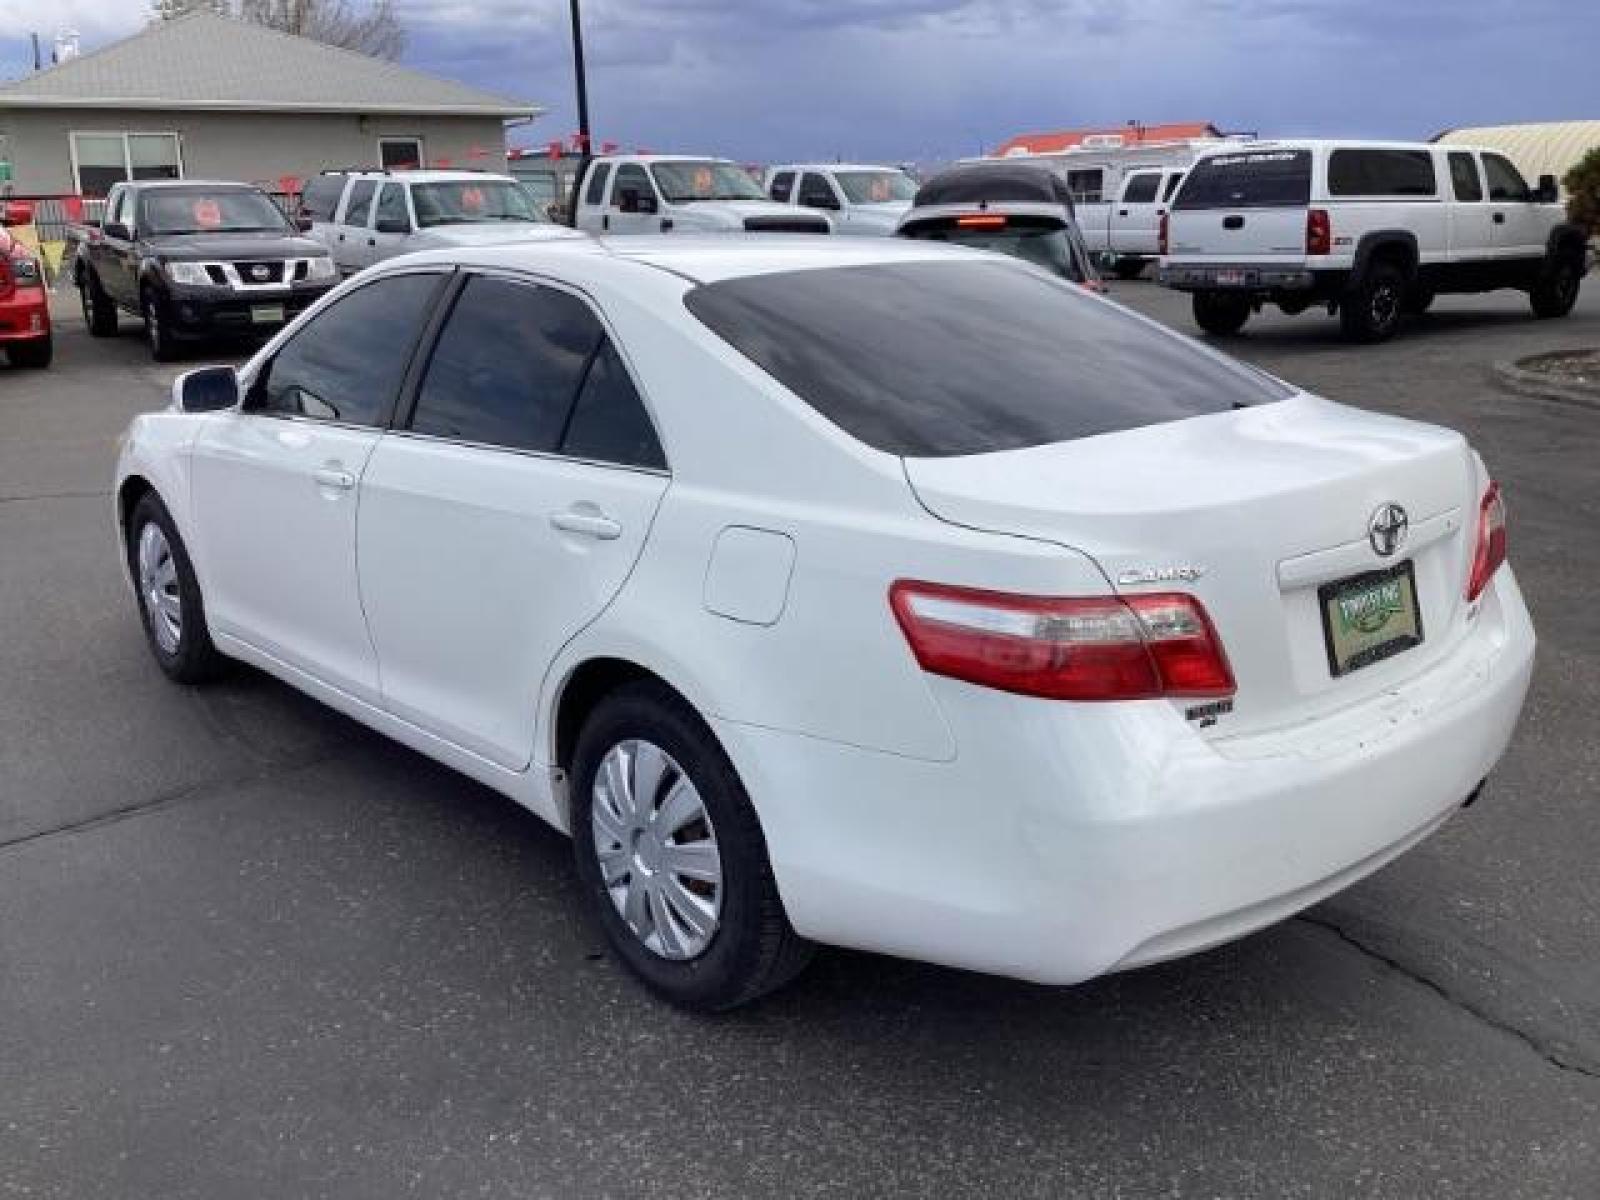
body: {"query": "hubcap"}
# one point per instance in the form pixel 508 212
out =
pixel 657 850
pixel 1385 306
pixel 152 324
pixel 158 587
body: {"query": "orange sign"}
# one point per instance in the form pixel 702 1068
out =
pixel 207 213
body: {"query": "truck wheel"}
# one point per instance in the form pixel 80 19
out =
pixel 31 356
pixel 99 310
pixel 1220 313
pixel 1557 289
pixel 1370 311
pixel 1128 268
pixel 162 346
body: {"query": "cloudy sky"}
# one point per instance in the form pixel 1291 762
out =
pixel 931 79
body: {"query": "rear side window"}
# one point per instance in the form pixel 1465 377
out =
pixel 1141 189
pixel 1505 181
pixel 507 366
pixel 321 197
pixel 1381 173
pixel 934 359
pixel 595 192
pixel 609 423
pixel 1464 178
pixel 783 186
pixel 360 203
pixel 1251 179
pixel 347 362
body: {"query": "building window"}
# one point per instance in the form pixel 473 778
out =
pixel 102 159
pixel 1086 186
pixel 400 153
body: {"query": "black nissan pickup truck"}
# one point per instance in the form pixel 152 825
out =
pixel 196 260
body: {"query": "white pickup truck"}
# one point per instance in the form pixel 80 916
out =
pixel 670 193
pixel 1371 230
pixel 860 199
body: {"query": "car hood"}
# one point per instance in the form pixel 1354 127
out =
pixel 491 234
pixel 208 246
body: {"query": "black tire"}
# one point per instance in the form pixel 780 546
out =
pixel 1419 299
pixel 32 356
pixel 753 949
pixel 99 310
pixel 163 346
pixel 1557 289
pixel 1221 314
pixel 1128 268
pixel 194 659
pixel 1371 309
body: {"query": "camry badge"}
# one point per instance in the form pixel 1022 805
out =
pixel 1135 575
pixel 1386 529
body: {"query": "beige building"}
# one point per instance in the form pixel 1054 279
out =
pixel 204 96
pixel 1542 148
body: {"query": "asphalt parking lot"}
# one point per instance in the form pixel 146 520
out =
pixel 248 949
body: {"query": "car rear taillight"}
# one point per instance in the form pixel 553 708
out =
pixel 1490 550
pixel 1161 235
pixel 1319 232
pixel 1066 647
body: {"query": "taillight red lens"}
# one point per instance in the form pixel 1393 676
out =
pixel 1161 235
pixel 1064 647
pixel 1319 232
pixel 1490 550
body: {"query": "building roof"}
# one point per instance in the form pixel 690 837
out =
pixel 1131 135
pixel 1545 148
pixel 205 62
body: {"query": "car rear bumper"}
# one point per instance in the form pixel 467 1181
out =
pixel 1247 277
pixel 206 311
pixel 25 315
pixel 1065 841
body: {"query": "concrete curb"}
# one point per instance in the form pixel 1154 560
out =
pixel 1540 386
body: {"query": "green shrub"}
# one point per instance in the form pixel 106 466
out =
pixel 1583 192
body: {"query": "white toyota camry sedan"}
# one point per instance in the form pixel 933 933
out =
pixel 876 594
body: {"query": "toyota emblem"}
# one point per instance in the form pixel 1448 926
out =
pixel 1386 529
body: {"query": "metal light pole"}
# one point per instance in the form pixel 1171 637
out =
pixel 583 109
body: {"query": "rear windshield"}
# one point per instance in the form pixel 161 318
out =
pixel 933 359
pixel 1042 241
pixel 1249 179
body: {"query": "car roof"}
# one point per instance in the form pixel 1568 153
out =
pixel 163 184
pixel 837 166
pixel 1320 144
pixel 665 158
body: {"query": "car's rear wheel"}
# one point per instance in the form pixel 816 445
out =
pixel 163 347
pixel 170 605
pixel 33 355
pixel 1221 313
pixel 1371 310
pixel 1557 289
pixel 99 310
pixel 672 857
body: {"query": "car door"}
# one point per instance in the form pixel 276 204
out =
pixel 506 514
pixel 1134 224
pixel 815 190
pixel 274 483
pixel 350 236
pixel 116 264
pixel 1472 227
pixel 1517 220
pixel 632 180
pixel 391 223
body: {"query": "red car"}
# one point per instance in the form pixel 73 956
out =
pixel 24 304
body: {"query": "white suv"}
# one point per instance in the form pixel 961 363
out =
pixel 364 217
pixel 1372 230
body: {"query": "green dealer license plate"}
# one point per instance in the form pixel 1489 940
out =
pixel 1369 617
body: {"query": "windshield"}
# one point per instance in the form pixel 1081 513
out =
pixel 681 182
pixel 471 202
pixel 1254 179
pixel 1038 240
pixel 206 210
pixel 876 187
pixel 932 359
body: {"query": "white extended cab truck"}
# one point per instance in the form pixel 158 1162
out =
pixel 867 201
pixel 671 193
pixel 1371 230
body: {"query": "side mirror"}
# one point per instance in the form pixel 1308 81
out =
pixel 208 389
pixel 1547 192
pixel 116 229
pixel 392 225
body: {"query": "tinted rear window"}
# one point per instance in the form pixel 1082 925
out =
pixel 1381 173
pixel 934 359
pixel 1249 179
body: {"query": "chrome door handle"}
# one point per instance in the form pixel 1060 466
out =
pixel 590 524
pixel 334 478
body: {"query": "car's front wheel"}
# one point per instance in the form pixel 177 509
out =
pixel 672 857
pixel 163 346
pixel 170 606
pixel 1557 290
pixel 1221 314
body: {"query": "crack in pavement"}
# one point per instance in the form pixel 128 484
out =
pixel 283 766
pixel 1543 1049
